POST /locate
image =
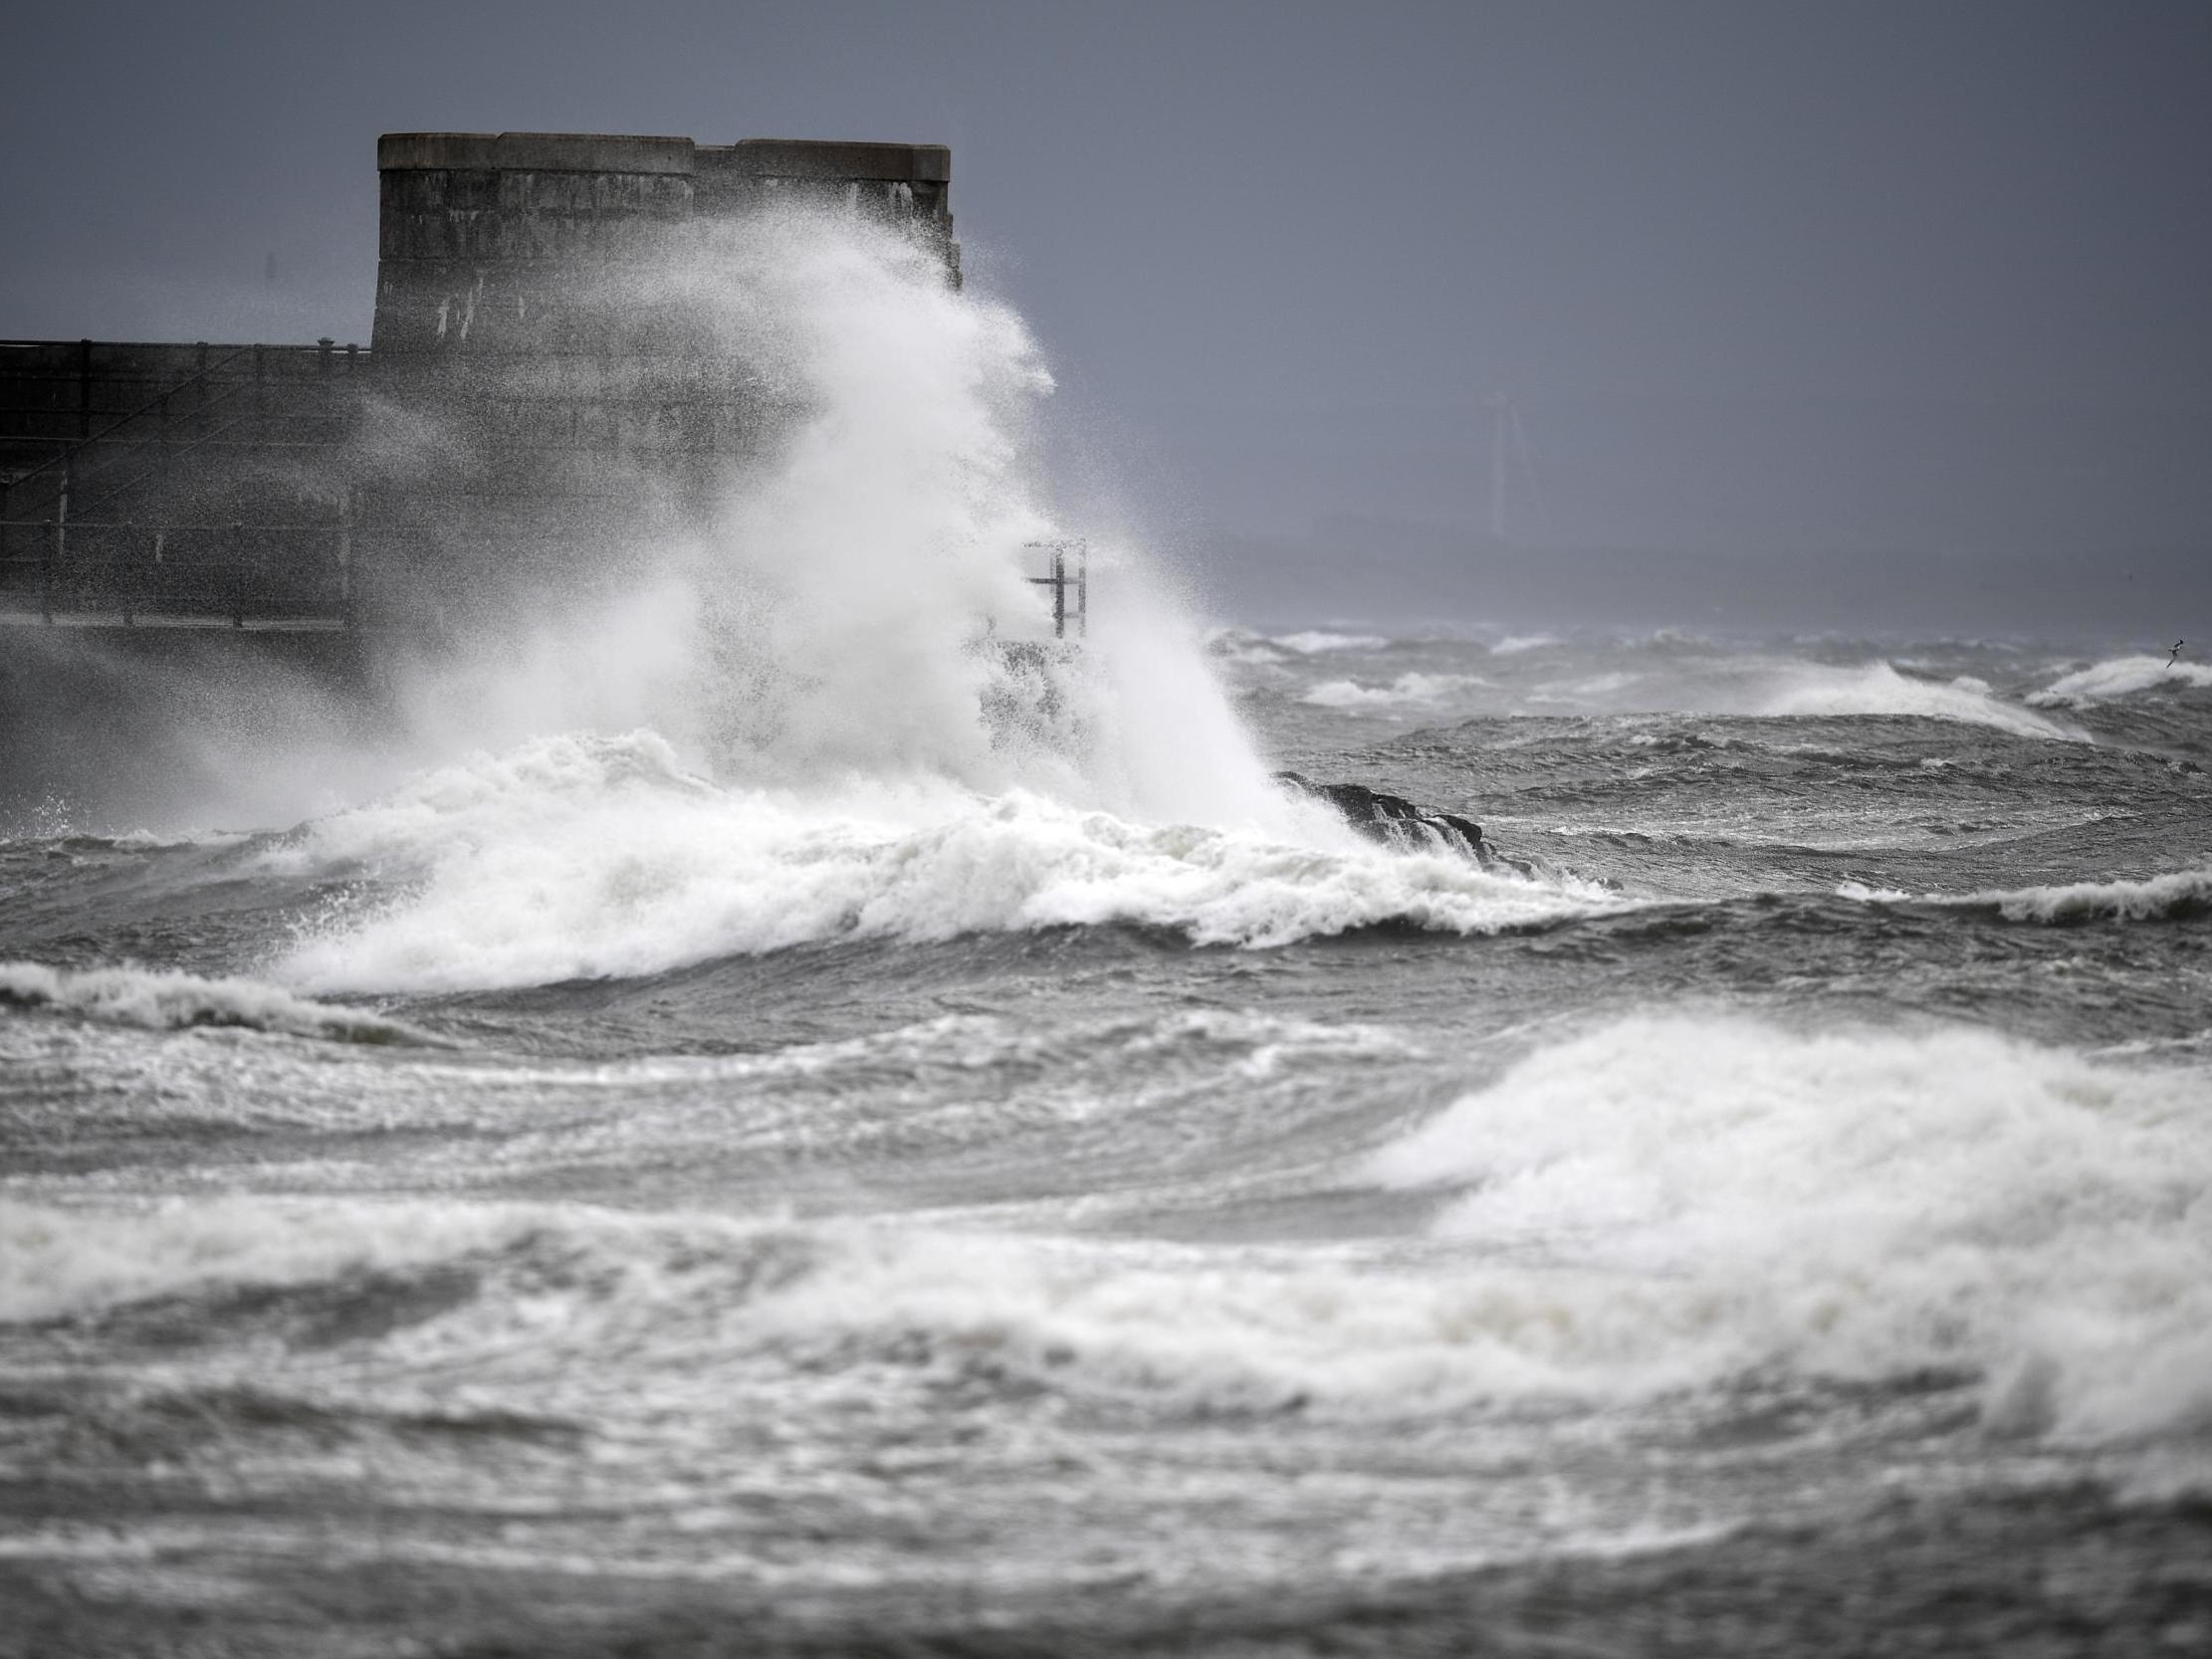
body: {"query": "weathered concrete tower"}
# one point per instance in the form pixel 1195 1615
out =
pixel 485 237
pixel 564 400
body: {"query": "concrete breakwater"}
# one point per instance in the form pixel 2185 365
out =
pixel 535 397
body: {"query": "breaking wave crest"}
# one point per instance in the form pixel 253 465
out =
pixel 1722 1198
pixel 2184 896
pixel 2181 896
pixel 67 1261
pixel 1879 688
pixel 1406 687
pixel 1314 641
pixel 2118 676
pixel 576 858
pixel 173 1002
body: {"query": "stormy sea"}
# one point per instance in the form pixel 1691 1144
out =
pixel 771 1116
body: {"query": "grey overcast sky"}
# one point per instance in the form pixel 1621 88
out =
pixel 1842 285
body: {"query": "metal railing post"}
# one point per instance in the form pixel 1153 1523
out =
pixel 345 557
pixel 60 519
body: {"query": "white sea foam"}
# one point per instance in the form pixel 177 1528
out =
pixel 1514 643
pixel 57 1260
pixel 1406 687
pixel 1723 1198
pixel 1879 688
pixel 165 1000
pixel 2123 677
pixel 583 858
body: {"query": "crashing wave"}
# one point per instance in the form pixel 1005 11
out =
pixel 527 882
pixel 1726 1198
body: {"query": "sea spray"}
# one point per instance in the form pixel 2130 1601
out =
pixel 835 708
pixel 845 612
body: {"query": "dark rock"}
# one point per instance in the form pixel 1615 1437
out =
pixel 1398 822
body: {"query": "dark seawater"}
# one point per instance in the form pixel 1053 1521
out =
pixel 562 1205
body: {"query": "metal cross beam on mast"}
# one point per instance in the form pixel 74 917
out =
pixel 1059 581
pixel 1508 441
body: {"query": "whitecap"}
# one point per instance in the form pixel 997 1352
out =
pixel 1879 688
pixel 1406 687
pixel 2179 896
pixel 2123 677
pixel 1720 1198
pixel 1314 641
pixel 166 1000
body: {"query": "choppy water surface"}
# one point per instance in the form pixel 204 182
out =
pixel 564 1202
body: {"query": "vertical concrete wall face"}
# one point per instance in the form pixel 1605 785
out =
pixel 561 402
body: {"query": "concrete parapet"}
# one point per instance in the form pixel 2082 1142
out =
pixel 494 243
pixel 593 153
pixel 562 152
pixel 834 159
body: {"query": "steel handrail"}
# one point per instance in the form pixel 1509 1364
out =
pixel 169 452
pixel 123 421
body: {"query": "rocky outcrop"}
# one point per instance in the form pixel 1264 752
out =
pixel 1398 822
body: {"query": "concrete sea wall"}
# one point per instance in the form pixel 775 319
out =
pixel 522 411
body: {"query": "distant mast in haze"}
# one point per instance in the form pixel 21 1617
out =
pixel 1501 426
pixel 1509 438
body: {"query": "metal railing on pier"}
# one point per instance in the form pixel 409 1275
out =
pixel 93 574
pixel 54 409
